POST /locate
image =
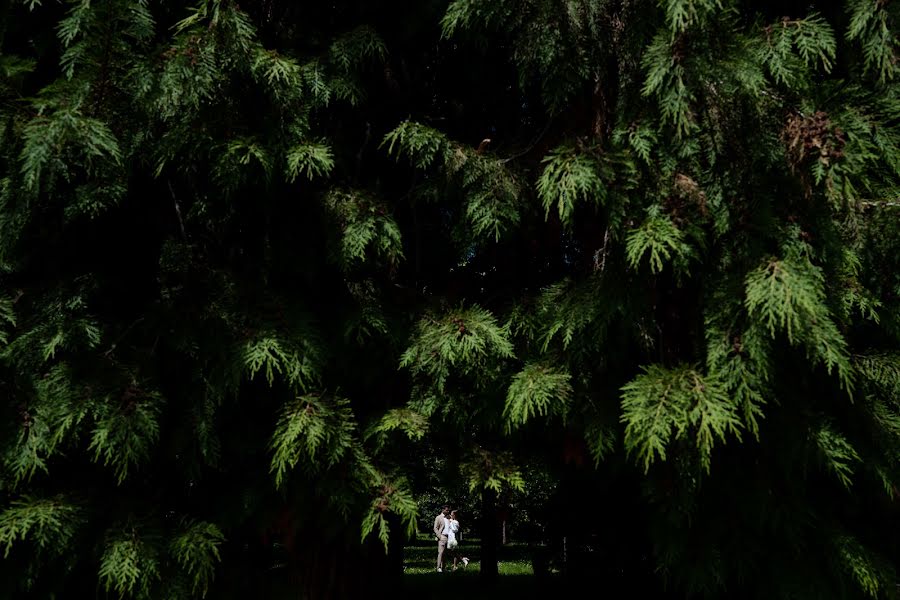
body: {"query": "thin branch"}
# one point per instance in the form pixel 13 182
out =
pixel 177 210
pixel 885 203
pixel 600 254
pixel 121 337
pixel 530 146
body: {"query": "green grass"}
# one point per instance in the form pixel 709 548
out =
pixel 421 557
pixel 516 576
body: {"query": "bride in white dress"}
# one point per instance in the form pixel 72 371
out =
pixel 452 543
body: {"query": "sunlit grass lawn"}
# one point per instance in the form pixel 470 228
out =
pixel 422 581
pixel 421 559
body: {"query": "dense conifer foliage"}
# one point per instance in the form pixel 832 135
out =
pixel 265 265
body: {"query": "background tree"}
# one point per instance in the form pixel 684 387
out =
pixel 254 257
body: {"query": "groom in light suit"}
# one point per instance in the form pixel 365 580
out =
pixel 440 532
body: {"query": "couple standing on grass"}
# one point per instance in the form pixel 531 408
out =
pixel 446 530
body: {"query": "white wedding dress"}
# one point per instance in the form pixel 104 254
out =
pixel 452 529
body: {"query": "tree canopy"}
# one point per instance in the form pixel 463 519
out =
pixel 264 264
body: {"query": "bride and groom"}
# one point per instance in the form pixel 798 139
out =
pixel 446 530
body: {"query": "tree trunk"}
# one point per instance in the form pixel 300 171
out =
pixel 489 567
